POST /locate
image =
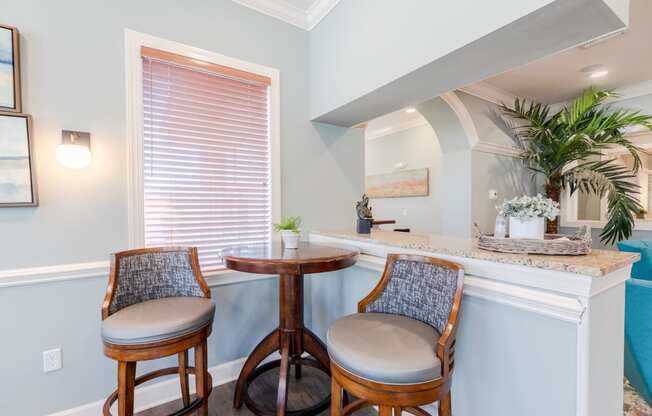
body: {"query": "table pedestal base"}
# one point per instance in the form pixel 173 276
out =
pixel 291 339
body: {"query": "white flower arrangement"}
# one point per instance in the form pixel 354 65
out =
pixel 526 207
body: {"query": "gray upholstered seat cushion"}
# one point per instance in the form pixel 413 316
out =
pixel 157 320
pixel 387 348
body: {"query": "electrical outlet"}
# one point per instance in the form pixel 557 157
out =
pixel 52 360
pixel 404 212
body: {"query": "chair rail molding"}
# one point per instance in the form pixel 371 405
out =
pixel 100 269
pixel 289 13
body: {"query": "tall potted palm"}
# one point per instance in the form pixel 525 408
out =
pixel 563 147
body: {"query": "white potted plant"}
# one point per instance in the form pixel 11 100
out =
pixel 290 231
pixel 527 215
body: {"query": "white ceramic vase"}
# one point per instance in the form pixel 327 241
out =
pixel 532 228
pixel 290 239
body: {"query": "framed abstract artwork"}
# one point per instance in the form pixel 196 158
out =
pixel 10 96
pixel 400 184
pixel 17 183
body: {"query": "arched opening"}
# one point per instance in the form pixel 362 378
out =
pixel 439 138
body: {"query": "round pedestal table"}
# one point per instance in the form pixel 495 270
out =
pixel 291 338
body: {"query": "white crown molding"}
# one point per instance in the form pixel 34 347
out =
pixel 395 128
pixel 287 12
pixel 497 149
pixel 318 10
pixel 488 92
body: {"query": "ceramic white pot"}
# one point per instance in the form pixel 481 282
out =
pixel 533 228
pixel 290 239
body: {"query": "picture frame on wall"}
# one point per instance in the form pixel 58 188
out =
pixel 17 181
pixel 10 91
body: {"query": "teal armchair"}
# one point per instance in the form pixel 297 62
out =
pixel 638 319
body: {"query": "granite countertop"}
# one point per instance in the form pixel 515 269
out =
pixel 598 263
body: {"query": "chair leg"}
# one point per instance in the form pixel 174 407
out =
pixel 183 377
pixel 398 411
pixel 201 377
pixel 126 387
pixel 385 410
pixel 445 405
pixel 336 398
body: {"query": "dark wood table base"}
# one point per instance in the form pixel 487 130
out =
pixel 291 339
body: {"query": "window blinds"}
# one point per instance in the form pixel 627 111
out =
pixel 206 156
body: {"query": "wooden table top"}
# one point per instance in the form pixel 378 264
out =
pixel 274 259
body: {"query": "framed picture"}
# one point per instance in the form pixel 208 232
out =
pixel 17 183
pixel 400 184
pixel 9 70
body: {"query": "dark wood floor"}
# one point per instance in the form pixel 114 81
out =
pixel 310 389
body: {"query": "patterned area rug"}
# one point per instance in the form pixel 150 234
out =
pixel 634 404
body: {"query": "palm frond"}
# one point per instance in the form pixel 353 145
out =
pixel 608 178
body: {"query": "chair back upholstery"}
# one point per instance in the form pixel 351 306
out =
pixel 421 288
pixel 153 273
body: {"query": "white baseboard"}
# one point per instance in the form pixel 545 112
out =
pixel 165 391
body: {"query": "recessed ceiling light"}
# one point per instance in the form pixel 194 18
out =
pixel 410 110
pixel 595 71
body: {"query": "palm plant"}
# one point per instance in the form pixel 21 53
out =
pixel 567 148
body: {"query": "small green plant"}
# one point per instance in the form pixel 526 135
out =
pixel 289 224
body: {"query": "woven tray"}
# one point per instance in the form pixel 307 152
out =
pixel 551 245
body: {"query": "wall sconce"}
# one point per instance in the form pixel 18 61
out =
pixel 75 149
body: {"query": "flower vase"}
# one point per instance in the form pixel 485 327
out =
pixel 532 228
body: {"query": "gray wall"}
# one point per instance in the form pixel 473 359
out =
pixel 419 148
pixel 73 78
pixel 504 174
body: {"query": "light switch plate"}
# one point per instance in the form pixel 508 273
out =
pixel 52 360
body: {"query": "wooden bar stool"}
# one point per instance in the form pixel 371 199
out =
pixel 398 351
pixel 157 304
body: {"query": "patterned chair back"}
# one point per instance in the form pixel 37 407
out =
pixel 153 273
pixel 420 288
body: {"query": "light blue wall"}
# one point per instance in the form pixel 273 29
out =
pixel 67 315
pixel 73 78
pixel 505 174
pixel 418 147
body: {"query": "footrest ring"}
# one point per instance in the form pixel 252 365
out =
pixel 106 409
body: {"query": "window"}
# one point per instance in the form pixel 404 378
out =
pixel 589 209
pixel 205 158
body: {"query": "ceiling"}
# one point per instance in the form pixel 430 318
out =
pixel 393 122
pixel 302 4
pixel 557 78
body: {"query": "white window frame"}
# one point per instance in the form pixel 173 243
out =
pixel 569 204
pixel 134 93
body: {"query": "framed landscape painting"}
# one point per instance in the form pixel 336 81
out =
pixel 404 183
pixel 9 70
pixel 17 184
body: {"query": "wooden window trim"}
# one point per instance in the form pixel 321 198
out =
pixel 203 65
